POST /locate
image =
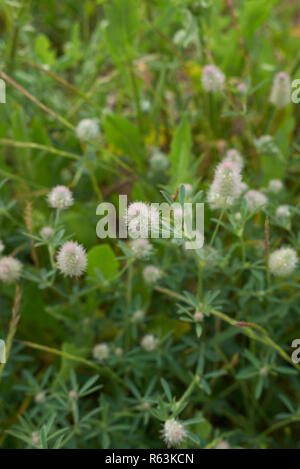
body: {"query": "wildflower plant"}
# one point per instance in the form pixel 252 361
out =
pixel 143 342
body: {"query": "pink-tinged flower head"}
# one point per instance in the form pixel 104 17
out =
pixel 149 343
pixel 101 352
pixel 223 445
pixel 275 185
pixel 60 197
pixel 281 90
pixel 226 186
pixel 234 157
pixel 255 199
pixel 151 274
pixel 283 211
pixel 212 79
pixel 141 248
pixel 88 129
pixel 10 269
pixel 1 246
pixel 173 432
pixel 73 394
pixel 35 438
pixel 71 259
pixel 283 262
pixel 39 398
pixel 47 232
pixel 188 189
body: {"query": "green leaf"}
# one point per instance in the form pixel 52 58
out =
pixel 102 258
pixel 180 156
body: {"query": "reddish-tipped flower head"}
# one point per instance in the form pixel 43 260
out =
pixel 10 269
pixel 140 218
pixel 283 262
pixel 71 259
pixel 60 197
pixel 212 79
pixel 234 156
pixel 281 90
pixel 141 248
pixel 275 185
pixel 151 274
pixel 173 432
pixel 47 232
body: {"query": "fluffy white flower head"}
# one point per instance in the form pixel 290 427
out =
pixel 87 129
pixel 10 269
pixel 281 90
pixel 60 197
pixel 283 262
pixel 275 185
pixel 151 274
pixel 140 217
pixel 149 343
pixel 226 186
pixel 234 156
pixel 101 352
pixel 283 211
pixel 255 199
pixel 71 259
pixel 212 79
pixel 173 432
pixel 47 232
pixel 141 248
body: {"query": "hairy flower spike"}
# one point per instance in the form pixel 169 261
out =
pixel 283 262
pixel 283 211
pixel 255 199
pixel 173 432
pixel 60 197
pixel 234 157
pixel 159 162
pixel 87 129
pixel 212 79
pixel 281 89
pixel 10 269
pixel 139 219
pixel 101 352
pixel 71 259
pixel 149 342
pixel 226 186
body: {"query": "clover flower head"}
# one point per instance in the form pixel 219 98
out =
pixel 10 269
pixel 226 185
pixel 159 162
pixel 283 211
pixel 149 342
pixel 47 232
pixel 2 247
pixel 281 89
pixel 71 259
pixel 151 274
pixel 60 197
pixel 173 432
pixel 283 262
pixel 138 315
pixel 142 219
pixel 73 394
pixel 141 248
pixel 198 316
pixel 242 88
pixel 275 185
pixel 255 199
pixel 266 145
pixel 88 129
pixel 234 156
pixel 119 351
pixel 35 438
pixel 263 371
pixel 188 189
pixel 212 79
pixel 39 398
pixel 223 445
pixel 101 352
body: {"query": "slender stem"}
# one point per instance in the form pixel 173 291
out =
pixel 217 225
pixel 136 97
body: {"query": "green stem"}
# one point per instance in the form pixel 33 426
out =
pixel 217 226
